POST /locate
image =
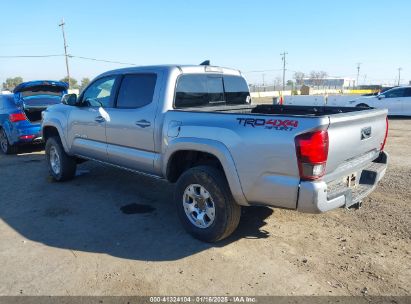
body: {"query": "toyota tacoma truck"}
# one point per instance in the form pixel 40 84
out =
pixel 197 127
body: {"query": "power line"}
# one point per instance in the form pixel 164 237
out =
pixel 102 60
pixel 31 56
pixel 63 55
pixel 262 71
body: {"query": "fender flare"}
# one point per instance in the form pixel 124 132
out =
pixel 56 124
pixel 215 148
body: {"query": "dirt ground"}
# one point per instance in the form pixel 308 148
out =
pixel 75 239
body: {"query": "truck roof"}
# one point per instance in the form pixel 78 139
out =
pixel 172 67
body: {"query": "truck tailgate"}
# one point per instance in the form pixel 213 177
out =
pixel 355 139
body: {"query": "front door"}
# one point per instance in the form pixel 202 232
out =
pixel 87 122
pixel 130 130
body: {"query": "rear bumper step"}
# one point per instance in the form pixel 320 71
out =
pixel 317 197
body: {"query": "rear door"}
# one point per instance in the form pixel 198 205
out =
pixel 87 123
pixel 130 129
pixel 406 102
pixel 393 101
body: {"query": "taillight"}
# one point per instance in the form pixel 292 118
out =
pixel 312 154
pixel 386 134
pixel 14 117
pixel 24 137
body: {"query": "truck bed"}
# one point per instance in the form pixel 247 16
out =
pixel 314 111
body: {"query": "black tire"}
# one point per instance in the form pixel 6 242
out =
pixel 362 105
pixel 67 163
pixel 227 211
pixel 5 146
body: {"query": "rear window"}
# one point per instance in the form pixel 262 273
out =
pixel 407 92
pixel 43 90
pixel 136 91
pixel 200 90
pixel 236 90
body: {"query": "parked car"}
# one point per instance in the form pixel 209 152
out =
pixel 20 112
pixel 379 91
pixel 397 100
pixel 195 126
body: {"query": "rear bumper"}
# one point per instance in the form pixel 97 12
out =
pixel 318 197
pixel 26 135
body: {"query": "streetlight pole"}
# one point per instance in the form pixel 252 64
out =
pixel 65 51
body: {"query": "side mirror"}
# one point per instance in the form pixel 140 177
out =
pixel 69 99
pixel 381 97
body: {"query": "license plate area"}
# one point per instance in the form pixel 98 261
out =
pixel 350 181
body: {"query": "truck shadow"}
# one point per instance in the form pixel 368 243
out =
pixel 104 210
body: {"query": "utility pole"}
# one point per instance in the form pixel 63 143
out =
pixel 283 59
pixel 358 73
pixel 399 75
pixel 65 51
pixel 263 82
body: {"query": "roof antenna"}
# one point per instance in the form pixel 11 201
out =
pixel 207 62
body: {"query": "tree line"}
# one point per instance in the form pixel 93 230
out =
pixel 12 82
pixel 316 78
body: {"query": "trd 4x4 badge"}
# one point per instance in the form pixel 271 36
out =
pixel 276 124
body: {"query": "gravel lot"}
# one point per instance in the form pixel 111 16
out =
pixel 76 239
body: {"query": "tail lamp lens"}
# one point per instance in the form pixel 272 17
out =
pixel 25 137
pixel 14 117
pixel 386 134
pixel 312 154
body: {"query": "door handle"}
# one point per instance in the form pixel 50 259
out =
pixel 99 119
pixel 143 123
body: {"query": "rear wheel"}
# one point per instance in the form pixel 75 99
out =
pixel 205 205
pixel 362 105
pixel 62 167
pixel 5 146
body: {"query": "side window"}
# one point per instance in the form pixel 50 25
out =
pixel 198 90
pixel 407 92
pixel 236 90
pixel 136 91
pixel 394 93
pixel 100 93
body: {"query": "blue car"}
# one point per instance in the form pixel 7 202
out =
pixel 20 112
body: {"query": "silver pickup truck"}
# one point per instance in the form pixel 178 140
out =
pixel 196 126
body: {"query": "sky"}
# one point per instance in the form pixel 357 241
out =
pixel 332 36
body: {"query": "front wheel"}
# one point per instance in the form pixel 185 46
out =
pixel 62 167
pixel 362 105
pixel 205 205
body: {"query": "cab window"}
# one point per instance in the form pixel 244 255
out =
pixel 202 90
pixel 136 91
pixel 100 93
